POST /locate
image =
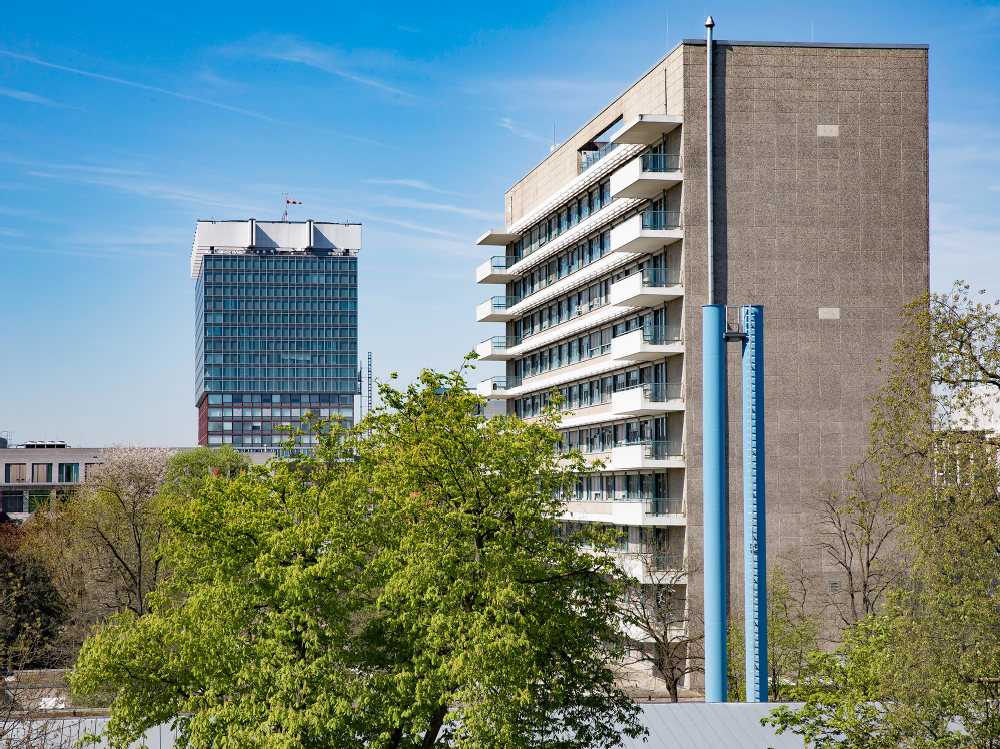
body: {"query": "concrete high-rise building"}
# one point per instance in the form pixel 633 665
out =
pixel 276 311
pixel 819 184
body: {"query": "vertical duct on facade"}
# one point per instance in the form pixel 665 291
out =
pixel 714 497
pixel 709 25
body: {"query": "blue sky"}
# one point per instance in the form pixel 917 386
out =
pixel 122 124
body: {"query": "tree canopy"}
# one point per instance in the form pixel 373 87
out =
pixel 402 584
pixel 925 669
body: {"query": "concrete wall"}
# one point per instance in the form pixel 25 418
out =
pixel 802 222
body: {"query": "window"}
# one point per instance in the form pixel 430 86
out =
pixel 14 473
pixel 89 470
pixel 13 501
pixel 69 472
pixel 41 473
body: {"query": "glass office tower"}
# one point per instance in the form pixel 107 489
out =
pixel 276 327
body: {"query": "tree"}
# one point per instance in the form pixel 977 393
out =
pixel 925 670
pixel 657 613
pixel 101 543
pixel 187 472
pixel 792 631
pixel 31 608
pixel 792 637
pixel 400 585
pixel 857 533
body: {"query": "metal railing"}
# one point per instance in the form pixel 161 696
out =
pixel 593 157
pixel 504 302
pixel 661 220
pixel 661 162
pixel 503 342
pixel 502 262
pixel 665 507
pixel 657 392
pixel 657 449
pixel 657 277
pixel 666 563
pixel 661 334
pixel 504 382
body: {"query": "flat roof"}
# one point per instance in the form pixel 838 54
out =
pixel 835 45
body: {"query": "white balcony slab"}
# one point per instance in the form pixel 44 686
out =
pixel 632 347
pixel 485 312
pixel 619 513
pixel 630 181
pixel 629 236
pixel 628 457
pixel 487 273
pixel 487 352
pixel 632 292
pixel 498 238
pixel 633 402
pixel 646 129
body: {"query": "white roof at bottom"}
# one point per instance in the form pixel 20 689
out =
pixel 711 725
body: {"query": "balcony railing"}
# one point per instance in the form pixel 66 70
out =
pixel 656 220
pixel 665 507
pixel 501 343
pixel 657 277
pixel 592 157
pixel 501 303
pixel 502 262
pixel 504 382
pixel 657 449
pixel 666 563
pixel 661 334
pixel 661 162
pixel 657 392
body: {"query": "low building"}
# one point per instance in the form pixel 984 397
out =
pixel 35 470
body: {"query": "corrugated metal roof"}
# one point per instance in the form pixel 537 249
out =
pixel 701 725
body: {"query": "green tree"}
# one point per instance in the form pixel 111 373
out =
pixel 402 585
pixel 792 632
pixel 925 670
pixel 187 472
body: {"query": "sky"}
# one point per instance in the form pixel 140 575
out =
pixel 123 124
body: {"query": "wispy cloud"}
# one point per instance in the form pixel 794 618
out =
pixel 521 132
pixel 35 99
pixel 11 233
pixel 137 183
pixel 471 212
pixel 417 184
pixel 189 97
pixel 328 59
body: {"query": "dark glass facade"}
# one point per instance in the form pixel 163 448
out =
pixel 277 336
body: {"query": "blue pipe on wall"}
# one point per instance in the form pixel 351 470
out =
pixel 754 521
pixel 714 481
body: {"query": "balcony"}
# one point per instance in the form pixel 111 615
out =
pixel 647 454
pixel 646 129
pixel 648 399
pixel 495 270
pixel 647 344
pixel 647 176
pixel 497 238
pixel 589 158
pixel 629 510
pixel 495 386
pixel 648 288
pixel 647 232
pixel 496 348
pixel 496 309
